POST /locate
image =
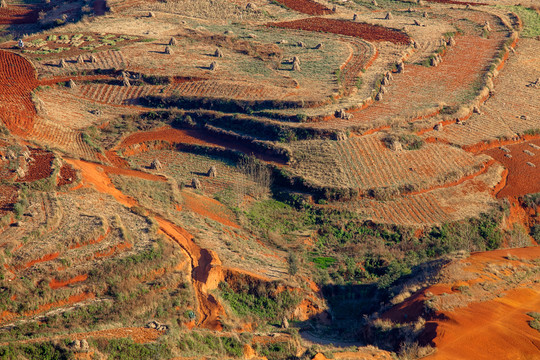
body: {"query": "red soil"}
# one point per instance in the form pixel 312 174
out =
pixel 209 208
pixel 116 160
pixel 56 284
pixel 66 175
pixel 195 137
pixel 47 257
pixel 495 329
pixel 139 335
pixel 408 98
pixel 206 274
pixel 96 175
pixel 306 6
pixel 8 196
pixel 18 15
pixel 113 250
pixel 17 80
pixel 73 299
pixel 95 241
pixel 40 167
pixel 361 30
pixel 522 179
pixel 164 134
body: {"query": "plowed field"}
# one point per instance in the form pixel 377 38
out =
pixel 17 80
pixel 306 6
pixel 522 178
pixel 342 27
pixel 39 166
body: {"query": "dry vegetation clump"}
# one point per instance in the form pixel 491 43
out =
pixel 156 165
pixel 212 172
pixel 196 184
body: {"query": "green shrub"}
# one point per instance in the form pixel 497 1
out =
pixel 127 349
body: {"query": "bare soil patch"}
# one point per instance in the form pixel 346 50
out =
pixel 39 165
pixel 306 6
pixel 57 284
pixel 209 208
pixel 521 176
pixel 361 30
pixel 67 175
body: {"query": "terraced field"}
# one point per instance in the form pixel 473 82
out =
pixel 320 172
pixel 366 163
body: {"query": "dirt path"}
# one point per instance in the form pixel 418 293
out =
pixel 205 264
pixel 206 274
pixel 139 335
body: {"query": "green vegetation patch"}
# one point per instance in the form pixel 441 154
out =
pixel 201 344
pixel 263 301
pixel 39 351
pixel 530 19
pixel 127 349
pixel 535 322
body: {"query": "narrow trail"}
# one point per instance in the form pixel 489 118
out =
pixel 205 265
pixel 139 335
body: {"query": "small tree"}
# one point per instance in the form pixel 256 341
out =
pixel 292 260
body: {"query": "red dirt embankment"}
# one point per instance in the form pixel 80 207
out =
pixel 306 6
pixel 342 27
pixel 17 80
pixel 96 175
pixel 206 274
pixel 495 329
pixel 176 136
pixel 206 267
pixel 522 178
pixel 167 134
pixel 57 284
pixel 490 324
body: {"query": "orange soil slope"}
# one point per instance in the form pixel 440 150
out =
pixel 167 134
pixel 209 208
pixel 522 178
pixel 496 329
